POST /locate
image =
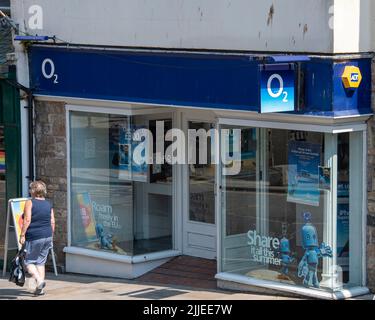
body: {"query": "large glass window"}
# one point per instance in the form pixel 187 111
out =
pixel 277 214
pixel 117 205
pixel 343 160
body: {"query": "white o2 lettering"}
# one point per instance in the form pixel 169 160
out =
pixel 281 84
pixel 285 96
pixel 51 74
pixel 52 67
pixel 281 91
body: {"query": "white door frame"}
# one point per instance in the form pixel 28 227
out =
pixel 206 229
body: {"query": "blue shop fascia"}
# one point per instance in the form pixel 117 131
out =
pixel 292 218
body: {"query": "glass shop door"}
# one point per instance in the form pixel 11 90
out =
pixel 199 220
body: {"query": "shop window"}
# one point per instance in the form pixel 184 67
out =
pixel 114 205
pixel 277 217
pixel 240 198
pixel 343 215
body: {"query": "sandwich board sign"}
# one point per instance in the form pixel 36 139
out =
pixel 14 223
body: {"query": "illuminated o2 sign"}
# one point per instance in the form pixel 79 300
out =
pixel 49 72
pixel 277 90
pixel 281 91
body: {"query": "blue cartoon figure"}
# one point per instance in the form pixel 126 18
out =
pixel 307 267
pixel 105 240
pixel 285 254
pixel 286 258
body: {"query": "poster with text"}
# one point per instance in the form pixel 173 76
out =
pixel 343 231
pixel 125 153
pixel 303 172
pixel 87 216
pixel 130 165
pixel 139 169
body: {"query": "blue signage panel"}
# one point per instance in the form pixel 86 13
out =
pixel 164 78
pixel 277 89
pixel 200 80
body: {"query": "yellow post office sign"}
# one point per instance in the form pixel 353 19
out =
pixel 352 77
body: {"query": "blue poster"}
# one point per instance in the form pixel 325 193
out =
pixel 139 171
pixel 303 172
pixel 277 91
pixel 129 169
pixel 343 230
pixel 125 153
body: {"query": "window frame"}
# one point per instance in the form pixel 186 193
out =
pixel 128 111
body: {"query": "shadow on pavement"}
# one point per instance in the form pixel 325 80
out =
pixel 154 294
pixel 13 294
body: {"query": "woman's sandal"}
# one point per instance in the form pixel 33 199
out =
pixel 39 289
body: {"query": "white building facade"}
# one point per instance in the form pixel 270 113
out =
pixel 294 77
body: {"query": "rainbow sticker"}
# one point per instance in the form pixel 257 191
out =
pixel 2 162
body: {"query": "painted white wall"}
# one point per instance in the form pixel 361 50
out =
pixel 257 25
pixel 354 26
pixel 346 25
pixel 367 26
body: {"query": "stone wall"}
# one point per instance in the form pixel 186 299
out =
pixel 371 193
pixel 51 165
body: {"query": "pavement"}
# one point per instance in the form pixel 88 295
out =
pixel 83 287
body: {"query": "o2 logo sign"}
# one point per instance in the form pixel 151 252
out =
pixel 281 91
pixel 277 90
pixel 48 70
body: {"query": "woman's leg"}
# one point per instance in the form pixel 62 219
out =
pixel 42 271
pixel 32 269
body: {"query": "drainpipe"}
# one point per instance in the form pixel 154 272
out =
pixel 30 118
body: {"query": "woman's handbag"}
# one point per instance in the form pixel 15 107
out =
pixel 18 268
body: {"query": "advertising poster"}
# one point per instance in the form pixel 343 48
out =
pixel 128 166
pixel 87 217
pixel 343 189
pixel 303 172
pixel 125 154
pixel 139 171
pixel 342 230
pixel 121 153
pixel 324 178
pixel 343 224
pixel 17 208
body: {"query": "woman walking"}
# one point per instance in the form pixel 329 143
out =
pixel 37 231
